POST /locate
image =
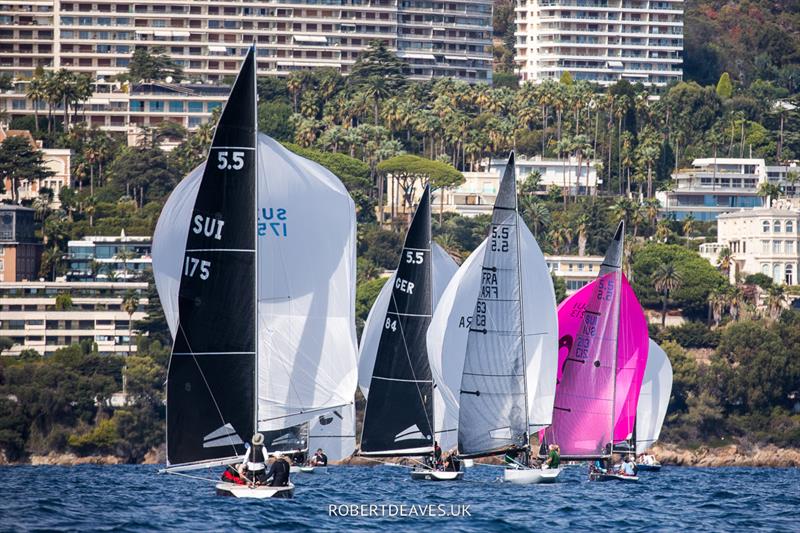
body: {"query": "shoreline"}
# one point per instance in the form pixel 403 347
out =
pixel 768 456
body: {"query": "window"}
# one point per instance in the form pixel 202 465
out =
pixel 776 247
pixel 195 107
pixel 788 247
pixel 175 106
pixel 765 269
pixel 789 226
pixel 776 226
pixel 156 105
pixel 776 273
pixel 764 247
pixel 765 226
pixel 789 275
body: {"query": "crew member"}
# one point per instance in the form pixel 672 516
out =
pixel 319 459
pixel 278 474
pixel 553 457
pixel 255 460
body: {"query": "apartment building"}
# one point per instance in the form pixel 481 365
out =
pixel 761 240
pixel 99 258
pixel 714 186
pixel 576 270
pixel 20 253
pixel 479 190
pixel 602 41
pixel 208 40
pixel 32 318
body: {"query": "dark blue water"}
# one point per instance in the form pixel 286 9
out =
pixel 136 498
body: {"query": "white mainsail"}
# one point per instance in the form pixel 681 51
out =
pixel 653 397
pixel 536 323
pixel 307 356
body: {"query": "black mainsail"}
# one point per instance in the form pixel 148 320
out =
pixel 211 380
pixel 399 412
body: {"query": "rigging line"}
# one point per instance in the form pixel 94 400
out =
pixel 202 375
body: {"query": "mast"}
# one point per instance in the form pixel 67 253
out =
pixel 615 312
pixel 255 240
pixel 522 312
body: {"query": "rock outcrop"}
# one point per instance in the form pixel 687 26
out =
pixel 70 459
pixel 731 455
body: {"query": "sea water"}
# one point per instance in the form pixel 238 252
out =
pixel 382 498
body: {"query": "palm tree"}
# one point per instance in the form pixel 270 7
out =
pixel 725 260
pixel 36 92
pixel 130 304
pixel 735 303
pixel 769 192
pixel 536 213
pixel 688 228
pixel 717 300
pixel 663 231
pixel 666 279
pixel 776 299
pixel 451 246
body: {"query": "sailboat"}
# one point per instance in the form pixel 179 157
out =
pixel 493 342
pixel 259 300
pixel 603 346
pixel 399 415
pixel 653 402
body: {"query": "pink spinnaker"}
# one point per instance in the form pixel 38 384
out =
pixel 589 385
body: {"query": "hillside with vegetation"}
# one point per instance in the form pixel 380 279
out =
pixel 736 364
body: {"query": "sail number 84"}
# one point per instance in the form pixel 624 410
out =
pixel 191 264
pixel 236 162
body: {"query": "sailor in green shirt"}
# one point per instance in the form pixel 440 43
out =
pixel 553 457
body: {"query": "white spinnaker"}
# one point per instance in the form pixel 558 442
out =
pixel 449 328
pixel 447 343
pixel 443 269
pixel 334 432
pixel 653 397
pixel 307 355
pixel 169 243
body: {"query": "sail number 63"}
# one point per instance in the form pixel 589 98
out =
pixel 236 162
pixel 191 264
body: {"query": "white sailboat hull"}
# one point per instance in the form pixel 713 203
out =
pixel 436 475
pixel 308 470
pixel 260 493
pixel 600 476
pixel 530 476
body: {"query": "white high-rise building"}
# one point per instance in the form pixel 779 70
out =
pixel 602 41
pixel 208 39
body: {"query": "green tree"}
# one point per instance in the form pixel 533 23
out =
pixel 152 64
pixel 666 279
pixel 699 278
pixel 21 161
pixel 130 304
pixel 378 73
pixel 63 302
pixel 5 344
pixel 724 86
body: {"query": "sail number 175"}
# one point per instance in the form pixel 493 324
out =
pixel 190 268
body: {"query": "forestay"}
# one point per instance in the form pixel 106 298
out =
pixel 653 398
pixel 508 372
pixel 399 414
